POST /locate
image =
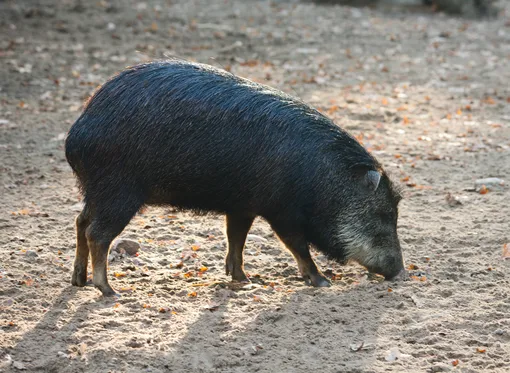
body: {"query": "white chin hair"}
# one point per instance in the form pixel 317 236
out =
pixel 358 247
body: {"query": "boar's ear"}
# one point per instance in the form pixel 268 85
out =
pixel 369 177
pixel 373 178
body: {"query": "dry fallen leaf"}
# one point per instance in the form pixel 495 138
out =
pixel 481 350
pixel 455 362
pixel 332 109
pixel 188 274
pixel 249 63
pixel 192 294
pixel 489 100
pixel 419 278
pixel 21 212
pixel 178 265
pixel 412 267
pixel 195 247
pixel 119 274
pixel 203 269
pixel 337 276
pixel 506 251
pixel 201 284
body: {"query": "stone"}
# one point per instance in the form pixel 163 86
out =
pixel 130 247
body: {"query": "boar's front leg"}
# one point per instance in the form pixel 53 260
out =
pixel 298 246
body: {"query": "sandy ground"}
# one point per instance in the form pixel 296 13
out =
pixel 428 94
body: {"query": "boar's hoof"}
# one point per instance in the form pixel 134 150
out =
pixel 110 293
pixel 79 277
pixel 241 279
pixel 236 272
pixel 107 291
pixel 317 281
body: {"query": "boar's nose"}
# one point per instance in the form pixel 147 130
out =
pixel 402 275
pixel 392 267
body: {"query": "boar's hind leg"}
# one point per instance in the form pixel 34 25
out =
pixel 82 249
pixel 298 246
pixel 237 230
pixel 108 221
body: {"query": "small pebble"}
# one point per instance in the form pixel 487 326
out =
pixel 5 361
pixel 441 367
pixel 394 354
pixel 31 254
pixel 129 246
pixel 112 257
pixel 255 238
pixel 19 365
pixel 491 183
pixel 500 331
pixel 77 207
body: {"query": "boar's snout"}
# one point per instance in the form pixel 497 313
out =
pixel 400 276
pixel 392 268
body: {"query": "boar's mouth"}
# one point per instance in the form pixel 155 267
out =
pixel 403 275
pixel 389 265
pixel 391 268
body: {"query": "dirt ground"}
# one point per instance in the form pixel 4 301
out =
pixel 426 93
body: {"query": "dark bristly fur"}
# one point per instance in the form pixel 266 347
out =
pixel 199 138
